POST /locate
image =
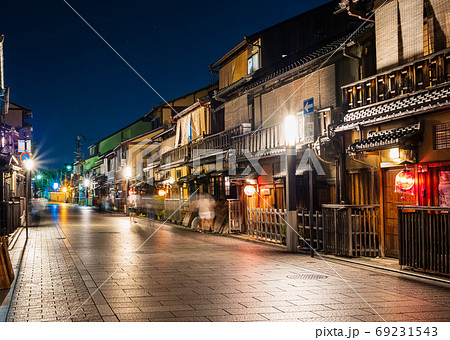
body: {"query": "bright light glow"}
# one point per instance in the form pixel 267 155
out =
pixel 64 189
pixel 86 182
pixel 265 192
pixel 394 154
pixel 249 190
pixel 39 176
pixel 251 181
pixel 55 186
pixel 291 130
pixel 161 193
pixel 169 181
pixel 404 180
pixel 29 164
pixel 127 172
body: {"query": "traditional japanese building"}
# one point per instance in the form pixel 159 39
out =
pixel 396 129
pixel 295 67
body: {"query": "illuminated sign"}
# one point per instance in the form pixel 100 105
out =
pixel 249 190
pixel 404 181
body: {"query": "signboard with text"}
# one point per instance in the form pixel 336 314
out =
pixel 308 120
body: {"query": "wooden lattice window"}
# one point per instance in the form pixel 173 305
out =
pixel 442 136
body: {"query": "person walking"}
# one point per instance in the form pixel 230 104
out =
pixel 132 206
pixel 206 211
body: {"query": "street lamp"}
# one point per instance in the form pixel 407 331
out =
pixel 290 131
pixel 127 174
pixel 64 190
pixel 29 164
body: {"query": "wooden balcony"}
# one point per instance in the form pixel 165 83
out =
pixel 270 140
pixel 213 143
pixel 179 154
pixel 421 74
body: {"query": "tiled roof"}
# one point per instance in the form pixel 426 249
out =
pixel 385 139
pixel 305 59
pixel 315 54
pixel 425 100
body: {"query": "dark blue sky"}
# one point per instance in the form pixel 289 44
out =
pixel 75 84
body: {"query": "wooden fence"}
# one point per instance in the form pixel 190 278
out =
pixel 10 216
pixel 235 223
pixel 351 230
pixel 172 209
pixel 266 224
pixel 424 237
pixel 310 237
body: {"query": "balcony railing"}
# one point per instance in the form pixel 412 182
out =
pixel 180 153
pixel 265 139
pixel 423 234
pixel 418 75
pixel 218 141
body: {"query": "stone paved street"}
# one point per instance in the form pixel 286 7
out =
pixel 179 275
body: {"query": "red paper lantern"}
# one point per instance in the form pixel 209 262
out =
pixel 249 190
pixel 404 181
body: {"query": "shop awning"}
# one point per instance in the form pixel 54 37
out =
pixel 282 174
pixel 137 184
pixel 386 139
pixel 205 174
pixel 240 177
pixel 89 163
pixel 100 178
pixel 217 173
pixel 186 179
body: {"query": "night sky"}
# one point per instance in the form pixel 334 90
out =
pixel 75 84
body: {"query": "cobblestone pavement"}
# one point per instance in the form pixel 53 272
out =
pixel 179 275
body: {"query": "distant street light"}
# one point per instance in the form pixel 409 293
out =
pixel 64 190
pixel 39 177
pixel 127 172
pixel 290 131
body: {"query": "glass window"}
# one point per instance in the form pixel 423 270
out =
pixel 227 186
pixel 253 63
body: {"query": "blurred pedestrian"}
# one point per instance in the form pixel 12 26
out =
pixel 206 211
pixel 132 207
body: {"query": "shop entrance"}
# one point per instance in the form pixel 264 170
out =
pixel 391 201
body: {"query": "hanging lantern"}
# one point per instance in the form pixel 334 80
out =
pixel 404 181
pixel 249 190
pixel 161 193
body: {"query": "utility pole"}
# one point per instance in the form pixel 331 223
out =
pixel 78 153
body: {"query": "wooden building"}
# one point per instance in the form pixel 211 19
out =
pixel 272 74
pixel 396 129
